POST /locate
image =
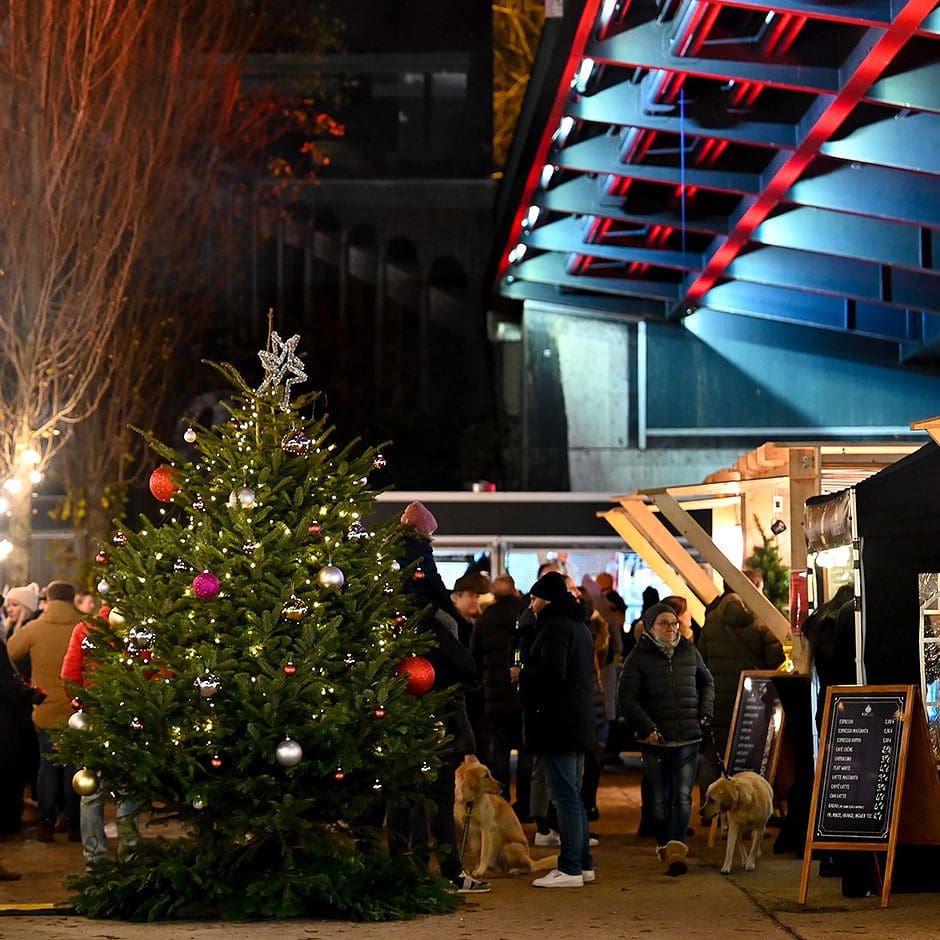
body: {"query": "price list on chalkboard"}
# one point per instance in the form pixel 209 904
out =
pixel 757 723
pixel 860 767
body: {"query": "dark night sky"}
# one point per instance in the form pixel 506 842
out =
pixel 413 25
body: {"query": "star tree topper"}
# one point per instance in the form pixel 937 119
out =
pixel 278 362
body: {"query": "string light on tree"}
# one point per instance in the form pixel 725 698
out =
pixel 264 621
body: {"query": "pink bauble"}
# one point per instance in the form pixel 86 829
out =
pixel 206 586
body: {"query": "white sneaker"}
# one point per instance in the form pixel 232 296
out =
pixel 588 875
pixel 558 879
pixel 547 838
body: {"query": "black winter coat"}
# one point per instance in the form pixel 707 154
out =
pixel 558 695
pixel 491 646
pixel 672 695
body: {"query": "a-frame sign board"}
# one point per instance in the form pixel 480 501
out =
pixel 757 726
pixel 876 780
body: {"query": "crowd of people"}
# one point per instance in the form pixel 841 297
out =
pixel 544 686
pixel 561 679
pixel 37 629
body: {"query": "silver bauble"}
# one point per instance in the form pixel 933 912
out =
pixel 103 586
pixel 357 531
pixel 207 685
pixel 330 576
pixel 189 435
pixel 135 725
pixel 289 753
pixel 242 498
pixel 78 721
pixel 295 443
pixel 139 638
pixel 378 461
pixel 199 804
pixel 116 618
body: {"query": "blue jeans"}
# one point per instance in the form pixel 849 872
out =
pixel 671 774
pixel 48 782
pixel 563 772
pixel 94 840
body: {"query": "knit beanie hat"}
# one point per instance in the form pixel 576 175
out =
pixel 418 515
pixel 550 587
pixel 651 613
pixel 26 596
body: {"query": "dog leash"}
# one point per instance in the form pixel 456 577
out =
pixel 466 830
pixel 718 757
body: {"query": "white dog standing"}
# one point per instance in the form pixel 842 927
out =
pixel 746 800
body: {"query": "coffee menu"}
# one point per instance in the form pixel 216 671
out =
pixel 757 723
pixel 860 764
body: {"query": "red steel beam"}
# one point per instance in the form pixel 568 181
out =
pixel 582 35
pixel 871 67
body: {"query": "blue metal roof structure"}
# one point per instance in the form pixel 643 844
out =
pixel 779 162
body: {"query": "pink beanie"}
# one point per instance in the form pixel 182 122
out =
pixel 419 516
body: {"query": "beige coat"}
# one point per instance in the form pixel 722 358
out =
pixel 45 641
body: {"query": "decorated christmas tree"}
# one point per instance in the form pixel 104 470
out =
pixel 766 559
pixel 256 681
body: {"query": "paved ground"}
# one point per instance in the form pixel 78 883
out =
pixel 631 898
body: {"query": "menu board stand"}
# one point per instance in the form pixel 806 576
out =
pixel 876 781
pixel 757 728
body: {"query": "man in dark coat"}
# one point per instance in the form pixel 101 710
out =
pixel 500 729
pixel 558 699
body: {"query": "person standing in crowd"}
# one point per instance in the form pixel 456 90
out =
pixel 466 598
pixel 610 605
pixel 559 715
pixel 667 696
pixel 45 640
pixel 687 626
pixel 85 602
pixel 650 597
pixel 500 729
pixel 17 743
pixel 592 759
pixel 454 668
pixel 532 803
pixel 21 605
pixel 732 640
pixel 75 674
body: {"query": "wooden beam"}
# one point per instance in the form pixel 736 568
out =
pixel 701 541
pixel 931 426
pixel 671 549
pixel 625 527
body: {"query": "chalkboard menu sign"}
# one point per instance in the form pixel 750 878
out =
pixel 859 774
pixel 756 725
pixel 876 781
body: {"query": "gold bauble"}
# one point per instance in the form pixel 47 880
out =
pixel 85 783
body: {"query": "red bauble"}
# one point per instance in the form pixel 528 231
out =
pixel 418 673
pixel 290 669
pixel 163 483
